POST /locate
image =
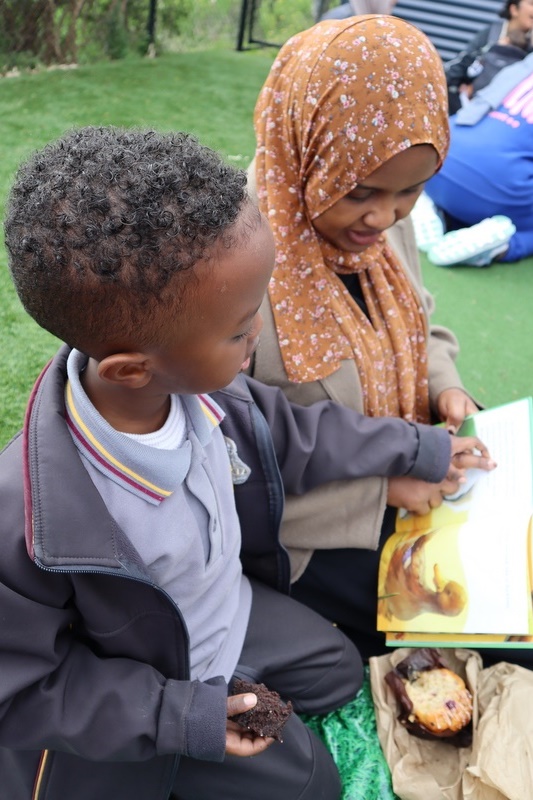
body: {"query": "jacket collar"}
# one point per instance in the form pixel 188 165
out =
pixel 67 524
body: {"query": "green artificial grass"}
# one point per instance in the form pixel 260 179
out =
pixel 211 94
pixel 489 310
pixel 351 737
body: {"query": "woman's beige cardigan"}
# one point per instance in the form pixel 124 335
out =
pixel 347 513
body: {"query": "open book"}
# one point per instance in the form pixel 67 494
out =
pixel 462 574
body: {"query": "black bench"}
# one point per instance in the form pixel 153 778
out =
pixel 450 24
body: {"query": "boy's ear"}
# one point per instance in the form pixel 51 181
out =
pixel 130 370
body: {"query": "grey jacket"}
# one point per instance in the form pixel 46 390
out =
pixel 95 696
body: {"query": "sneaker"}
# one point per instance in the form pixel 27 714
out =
pixel 476 246
pixel 428 225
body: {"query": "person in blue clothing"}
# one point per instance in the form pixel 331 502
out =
pixel 141 567
pixel 485 187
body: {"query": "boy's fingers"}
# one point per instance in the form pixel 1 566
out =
pixel 239 703
pixel 469 444
pixel 456 473
pixel 478 446
pixel 472 461
pixel 242 743
pixel 448 486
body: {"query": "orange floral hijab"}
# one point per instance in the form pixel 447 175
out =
pixel 341 99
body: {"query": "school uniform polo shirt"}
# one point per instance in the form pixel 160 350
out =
pixel 177 508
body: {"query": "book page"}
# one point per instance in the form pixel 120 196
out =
pixel 465 567
pixel 493 546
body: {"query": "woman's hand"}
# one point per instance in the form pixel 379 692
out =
pixel 240 741
pixel 453 405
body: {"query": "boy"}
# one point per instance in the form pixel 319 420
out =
pixel 125 611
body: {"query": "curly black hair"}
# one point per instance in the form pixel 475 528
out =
pixel 100 221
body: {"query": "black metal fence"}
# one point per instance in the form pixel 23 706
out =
pixel 251 32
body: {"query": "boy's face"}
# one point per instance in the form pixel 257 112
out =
pixel 220 327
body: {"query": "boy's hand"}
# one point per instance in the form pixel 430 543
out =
pixel 239 741
pixel 418 497
pixel 468 452
pixel 453 405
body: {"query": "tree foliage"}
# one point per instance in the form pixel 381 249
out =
pixel 57 31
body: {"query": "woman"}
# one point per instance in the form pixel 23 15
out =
pixel 350 123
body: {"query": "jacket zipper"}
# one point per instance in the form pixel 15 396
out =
pixel 39 775
pixel 45 754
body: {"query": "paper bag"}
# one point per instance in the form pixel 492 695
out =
pixel 498 765
pixel 501 764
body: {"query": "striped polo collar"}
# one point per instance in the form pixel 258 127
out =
pixel 148 472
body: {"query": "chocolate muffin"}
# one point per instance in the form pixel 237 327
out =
pixel 268 716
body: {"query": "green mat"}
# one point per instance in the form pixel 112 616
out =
pixel 351 737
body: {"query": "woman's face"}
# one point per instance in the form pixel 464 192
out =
pixel 357 220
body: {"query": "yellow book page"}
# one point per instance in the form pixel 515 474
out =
pixel 465 568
